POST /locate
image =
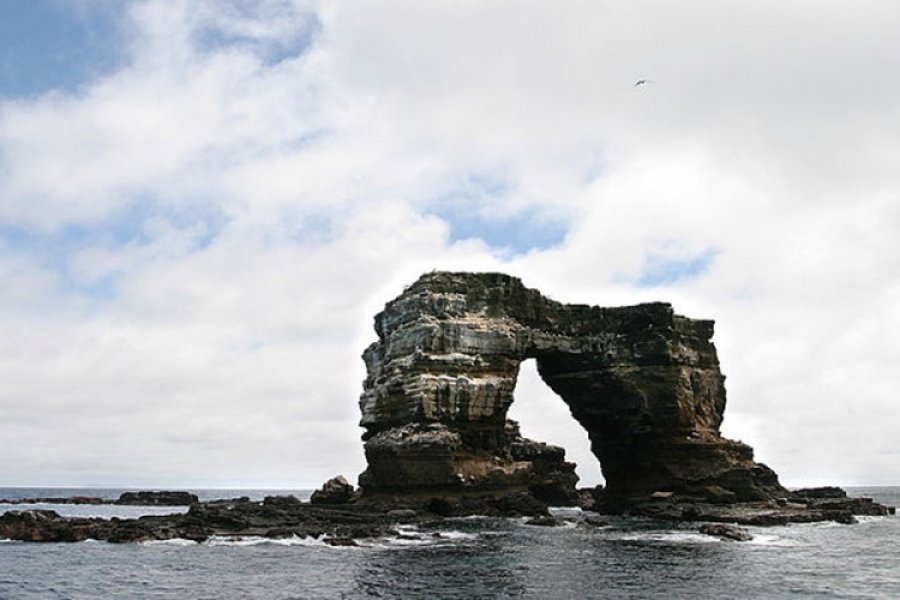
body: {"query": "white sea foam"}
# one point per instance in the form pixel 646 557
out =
pixel 408 535
pixel 669 537
pixel 822 525
pixel 561 523
pixel 253 540
pixel 768 539
pixel 394 542
pixel 411 536
pixel 874 518
pixel 403 541
pixel 456 535
pixel 565 511
pixel 171 542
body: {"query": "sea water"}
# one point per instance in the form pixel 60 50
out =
pixel 466 558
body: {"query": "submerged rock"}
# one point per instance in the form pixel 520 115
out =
pixel 544 521
pixel 728 532
pixel 593 521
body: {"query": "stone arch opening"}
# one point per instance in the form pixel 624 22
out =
pixel 542 415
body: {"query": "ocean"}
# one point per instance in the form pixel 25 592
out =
pixel 464 558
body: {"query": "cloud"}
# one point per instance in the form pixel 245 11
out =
pixel 193 241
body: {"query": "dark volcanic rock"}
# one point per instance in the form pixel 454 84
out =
pixel 593 521
pixel 275 519
pixel 48 526
pixel 762 513
pixel 38 526
pixel 281 501
pixel 517 504
pixel 498 504
pixel 544 521
pixel 643 381
pixel 336 490
pixel 157 498
pixel 728 532
pixel 58 500
pixel 820 492
pixel 591 498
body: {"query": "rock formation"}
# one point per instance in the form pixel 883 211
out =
pixel 274 517
pixel 166 498
pixel 643 381
pixel 342 524
pixel 336 490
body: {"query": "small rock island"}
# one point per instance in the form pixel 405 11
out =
pixel 643 381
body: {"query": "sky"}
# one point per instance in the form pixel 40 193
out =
pixel 204 204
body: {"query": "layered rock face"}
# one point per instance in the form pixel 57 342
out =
pixel 643 382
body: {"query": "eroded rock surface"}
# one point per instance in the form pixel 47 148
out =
pixel 275 517
pixel 643 381
pixel 336 490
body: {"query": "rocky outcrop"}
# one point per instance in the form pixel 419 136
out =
pixel 142 498
pixel 726 532
pixel 164 498
pixel 643 381
pixel 336 490
pixel 276 518
pixel 378 515
pixel 57 500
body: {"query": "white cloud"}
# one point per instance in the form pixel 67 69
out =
pixel 245 216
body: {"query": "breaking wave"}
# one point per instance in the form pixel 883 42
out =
pixel 244 541
pixel 172 542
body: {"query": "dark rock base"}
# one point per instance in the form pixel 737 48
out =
pixel 795 509
pixel 377 515
pixel 276 517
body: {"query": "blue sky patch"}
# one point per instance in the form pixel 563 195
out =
pixel 512 235
pixel 270 50
pixel 56 45
pixel 661 270
pixel 467 209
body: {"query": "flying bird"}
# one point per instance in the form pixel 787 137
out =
pixel 640 82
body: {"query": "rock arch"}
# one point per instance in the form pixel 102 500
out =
pixel 644 382
pixel 542 415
